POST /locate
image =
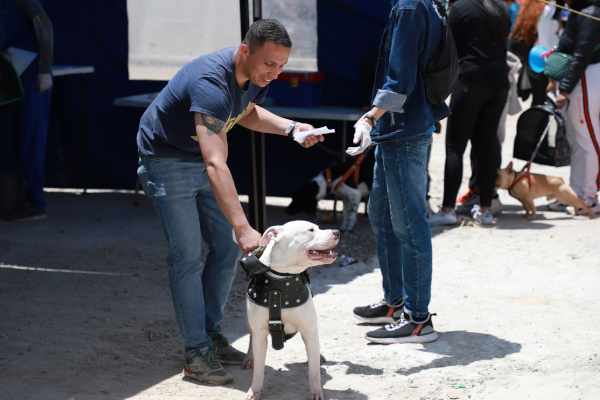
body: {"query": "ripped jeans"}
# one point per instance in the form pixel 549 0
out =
pixel 188 211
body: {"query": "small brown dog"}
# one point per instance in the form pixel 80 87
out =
pixel 527 188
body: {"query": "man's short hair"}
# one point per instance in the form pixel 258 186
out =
pixel 267 30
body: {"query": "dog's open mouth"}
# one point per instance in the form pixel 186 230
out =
pixel 322 254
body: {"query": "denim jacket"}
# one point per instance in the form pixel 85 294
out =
pixel 411 36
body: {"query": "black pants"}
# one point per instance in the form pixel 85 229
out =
pixel 476 104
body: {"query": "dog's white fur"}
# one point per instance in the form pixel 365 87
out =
pixel 350 198
pixel 288 252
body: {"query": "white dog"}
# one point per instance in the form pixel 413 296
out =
pixel 281 280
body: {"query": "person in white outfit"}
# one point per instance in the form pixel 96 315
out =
pixel 579 90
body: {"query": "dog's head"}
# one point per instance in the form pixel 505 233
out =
pixel 297 245
pixel 304 200
pixel 505 177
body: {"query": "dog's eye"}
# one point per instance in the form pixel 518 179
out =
pixel 311 230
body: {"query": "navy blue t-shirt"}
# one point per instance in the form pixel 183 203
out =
pixel 207 85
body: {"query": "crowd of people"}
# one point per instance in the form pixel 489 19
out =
pixel 492 43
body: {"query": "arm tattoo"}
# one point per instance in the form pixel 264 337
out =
pixel 213 125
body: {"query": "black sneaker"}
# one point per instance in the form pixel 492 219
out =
pixel 205 367
pixel 379 313
pixel 406 330
pixel 27 213
pixel 226 354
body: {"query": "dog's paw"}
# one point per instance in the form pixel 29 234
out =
pixel 322 358
pixel 316 394
pixel 253 394
pixel 247 362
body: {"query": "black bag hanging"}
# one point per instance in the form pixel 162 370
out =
pixel 552 149
pixel 11 89
pixel 441 72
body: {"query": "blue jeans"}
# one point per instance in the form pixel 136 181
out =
pixel 398 215
pixel 188 212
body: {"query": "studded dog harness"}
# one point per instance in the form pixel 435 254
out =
pixel 284 291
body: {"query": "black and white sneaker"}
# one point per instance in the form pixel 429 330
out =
pixel 408 329
pixel 379 313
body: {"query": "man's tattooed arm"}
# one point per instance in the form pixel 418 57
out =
pixel 213 125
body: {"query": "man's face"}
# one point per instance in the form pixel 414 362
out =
pixel 265 63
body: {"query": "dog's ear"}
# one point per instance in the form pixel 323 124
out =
pixel 271 236
pixel 509 167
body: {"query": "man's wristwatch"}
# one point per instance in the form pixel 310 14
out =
pixel 290 130
pixel 372 118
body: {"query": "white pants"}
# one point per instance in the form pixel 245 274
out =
pixel 583 134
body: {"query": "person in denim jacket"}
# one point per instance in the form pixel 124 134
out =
pixel 400 124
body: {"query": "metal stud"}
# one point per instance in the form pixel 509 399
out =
pixel 250 290
pixel 254 295
pixel 287 302
pixel 265 300
pixel 266 281
pixel 297 300
pixel 274 305
pixel 287 284
pixel 297 279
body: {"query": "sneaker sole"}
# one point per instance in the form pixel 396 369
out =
pixel 191 375
pixel 430 337
pixel 378 320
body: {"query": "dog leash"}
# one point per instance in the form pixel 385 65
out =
pixel 354 169
pixel 535 151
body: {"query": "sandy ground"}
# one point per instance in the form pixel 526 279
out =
pixel 85 310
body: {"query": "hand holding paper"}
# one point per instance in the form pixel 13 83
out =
pixel 300 137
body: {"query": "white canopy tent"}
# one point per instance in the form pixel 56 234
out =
pixel 163 36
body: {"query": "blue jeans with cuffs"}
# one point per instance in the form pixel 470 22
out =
pixel 398 215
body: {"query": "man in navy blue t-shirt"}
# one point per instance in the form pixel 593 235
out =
pixel 182 142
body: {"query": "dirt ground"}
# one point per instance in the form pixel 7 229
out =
pixel 85 309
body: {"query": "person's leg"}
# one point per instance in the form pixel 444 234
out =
pixel 33 119
pixel 388 244
pixel 583 133
pixel 173 186
pixel 404 162
pixel 221 260
pixel 486 145
pixel 465 105
pixel 409 243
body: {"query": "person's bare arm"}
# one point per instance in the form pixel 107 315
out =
pixel 262 120
pixel 213 144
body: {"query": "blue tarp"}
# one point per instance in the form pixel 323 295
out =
pixel 95 33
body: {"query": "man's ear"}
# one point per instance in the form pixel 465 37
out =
pixel 244 50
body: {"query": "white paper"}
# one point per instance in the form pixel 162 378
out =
pixel 300 137
pixel 21 58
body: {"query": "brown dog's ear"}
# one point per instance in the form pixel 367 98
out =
pixel 509 167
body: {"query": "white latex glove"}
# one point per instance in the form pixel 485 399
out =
pixel 43 82
pixel 362 135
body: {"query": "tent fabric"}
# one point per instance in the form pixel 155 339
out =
pixel 96 34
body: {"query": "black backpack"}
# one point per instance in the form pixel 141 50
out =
pixel 442 69
pixel 532 124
